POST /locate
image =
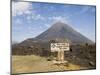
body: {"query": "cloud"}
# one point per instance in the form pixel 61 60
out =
pixel 35 17
pixel 39 17
pixel 55 19
pixel 20 8
pixel 47 25
pixel 60 18
pixel 25 8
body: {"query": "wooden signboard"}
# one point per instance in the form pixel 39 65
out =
pixel 59 47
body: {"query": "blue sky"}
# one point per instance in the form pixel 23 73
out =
pixel 29 19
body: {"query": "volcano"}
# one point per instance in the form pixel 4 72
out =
pixel 61 30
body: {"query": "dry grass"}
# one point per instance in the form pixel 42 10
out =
pixel 32 63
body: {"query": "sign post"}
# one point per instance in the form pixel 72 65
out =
pixel 60 48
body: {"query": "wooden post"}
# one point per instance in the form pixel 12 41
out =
pixel 58 56
pixel 62 55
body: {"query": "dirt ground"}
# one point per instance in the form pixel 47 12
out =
pixel 32 63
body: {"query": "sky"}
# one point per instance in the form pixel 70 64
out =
pixel 29 19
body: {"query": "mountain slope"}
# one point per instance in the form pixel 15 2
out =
pixel 60 30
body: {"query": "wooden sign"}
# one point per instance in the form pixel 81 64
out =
pixel 59 47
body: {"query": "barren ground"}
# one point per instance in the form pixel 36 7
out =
pixel 32 63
